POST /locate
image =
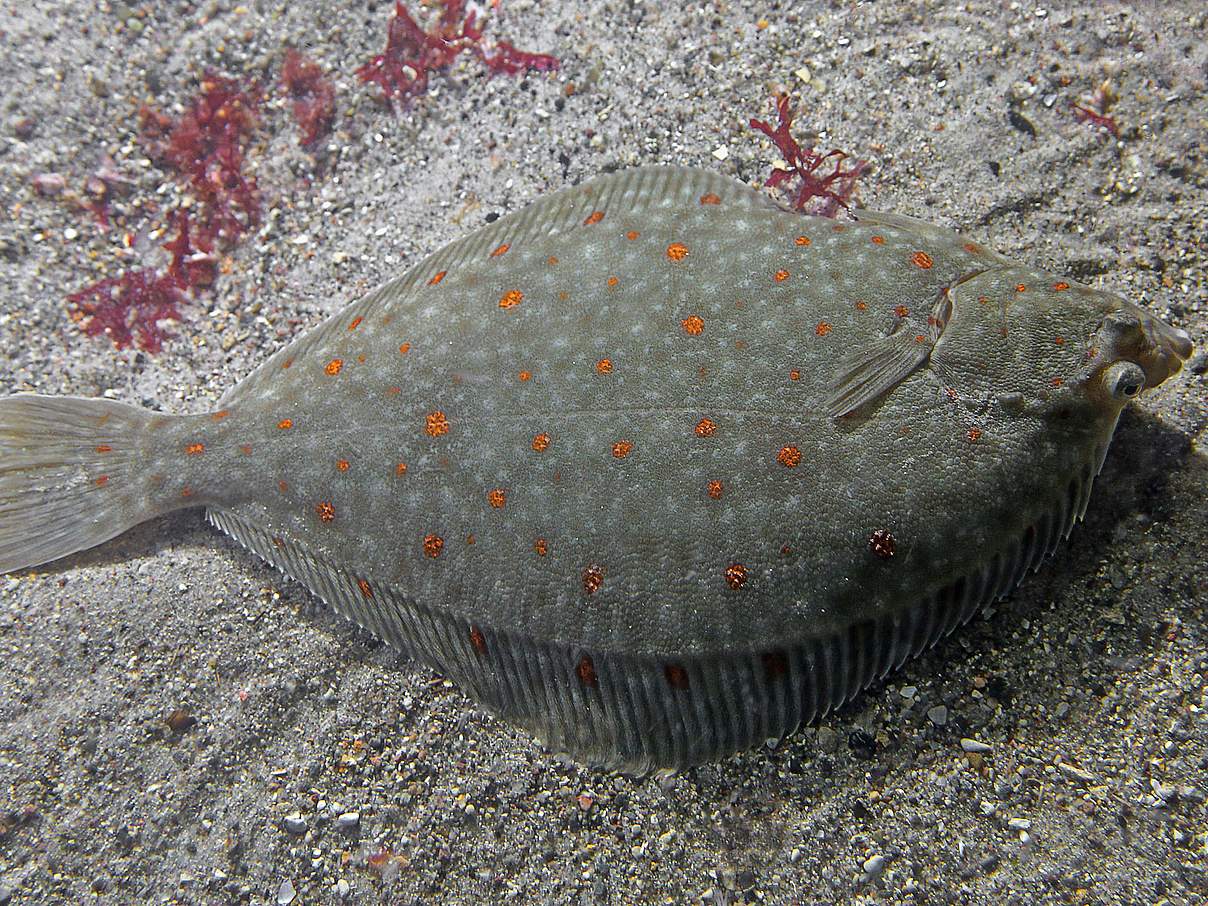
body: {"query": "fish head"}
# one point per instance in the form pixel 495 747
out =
pixel 1016 330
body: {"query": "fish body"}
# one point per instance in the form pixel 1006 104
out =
pixel 653 467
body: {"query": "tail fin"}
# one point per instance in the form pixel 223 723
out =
pixel 70 476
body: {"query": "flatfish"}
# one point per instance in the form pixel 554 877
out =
pixel 653 467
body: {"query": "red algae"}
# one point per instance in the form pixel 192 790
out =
pixel 313 97
pixel 833 190
pixel 1095 111
pixel 205 147
pixel 412 54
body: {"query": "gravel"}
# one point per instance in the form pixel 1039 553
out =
pixel 963 109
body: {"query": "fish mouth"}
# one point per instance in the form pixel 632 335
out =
pixel 1169 348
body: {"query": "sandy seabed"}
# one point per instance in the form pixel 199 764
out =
pixel 316 765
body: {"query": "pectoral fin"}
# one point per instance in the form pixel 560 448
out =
pixel 873 372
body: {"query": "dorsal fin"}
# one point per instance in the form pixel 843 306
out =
pixel 573 208
pixel 925 230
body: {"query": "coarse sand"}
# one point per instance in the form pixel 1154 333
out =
pixel 180 724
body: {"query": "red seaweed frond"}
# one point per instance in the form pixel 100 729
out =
pixel 130 308
pixel 834 189
pixel 313 97
pixel 411 53
pixel 1095 110
pixel 205 147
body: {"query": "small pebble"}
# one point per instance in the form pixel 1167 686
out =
pixel 1075 773
pixel 343 889
pixel 348 821
pixel 874 865
pixel 972 745
pixel 1019 824
pixel 286 893
pixel 295 824
pixel 938 715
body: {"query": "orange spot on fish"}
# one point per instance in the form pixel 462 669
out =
pixel 195 449
pixel 477 640
pixel 433 545
pixel 246 449
pixel 186 491
pixel 103 448
pixel 775 664
pixel 613 281
pixel 822 329
pixel 1021 287
pixel 919 338
pixel 780 276
pixel 563 296
pixel 342 465
pixel 705 428
pixel 436 424
pixel 861 305
pixel 363 585
pixel 541 443
pixel 632 235
pixel 1061 286
pixel 511 298
pixel 593 578
pixel 1057 382
pixel 973 435
pixel 714 489
pixel 287 363
pixel 802 241
pixel 541 546
pixel 736 575
pixel 326 511
pixel 282 486
pixel 593 217
pixel 972 248
pixel 400 469
pixel 922 259
pixel 710 198
pixel 525 376
pixel 882 543
pixel 500 250
pixel 677 251
pixel 586 671
pixel 878 240
pixel 901 311
pixel 621 449
pixel 220 415
pixel 789 457
pixel 604 366
pixel 677 676
pixel 1060 341
pixel 497 497
pixel 794 375
pixel 437 277
pixel 692 325
pixel 404 348
pixel 102 480
pixel 394 390
pixel 356 322
pixel 333 367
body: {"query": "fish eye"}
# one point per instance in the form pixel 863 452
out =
pixel 1124 380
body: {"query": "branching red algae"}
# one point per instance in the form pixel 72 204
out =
pixel 412 54
pixel 834 189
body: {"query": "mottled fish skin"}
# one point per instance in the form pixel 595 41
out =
pixel 660 470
